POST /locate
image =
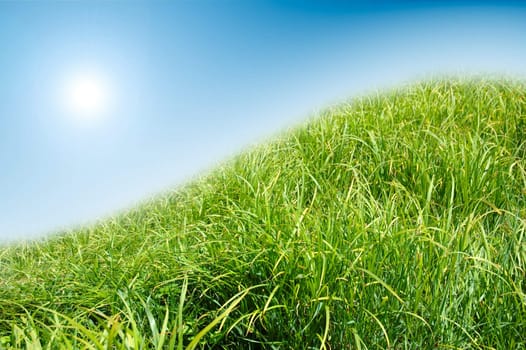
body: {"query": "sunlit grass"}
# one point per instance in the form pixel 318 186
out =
pixel 396 221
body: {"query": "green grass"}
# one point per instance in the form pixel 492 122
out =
pixel 395 221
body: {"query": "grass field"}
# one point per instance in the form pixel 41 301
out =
pixel 393 221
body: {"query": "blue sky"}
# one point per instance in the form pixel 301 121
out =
pixel 193 82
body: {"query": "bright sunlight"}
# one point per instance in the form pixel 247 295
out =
pixel 86 96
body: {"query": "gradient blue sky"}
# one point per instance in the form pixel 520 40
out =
pixel 196 81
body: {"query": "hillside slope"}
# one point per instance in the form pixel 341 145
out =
pixel 392 221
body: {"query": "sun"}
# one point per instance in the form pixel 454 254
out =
pixel 86 96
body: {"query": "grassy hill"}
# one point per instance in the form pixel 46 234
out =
pixel 396 221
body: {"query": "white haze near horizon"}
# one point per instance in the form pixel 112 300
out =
pixel 194 93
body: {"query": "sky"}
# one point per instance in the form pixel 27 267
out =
pixel 181 86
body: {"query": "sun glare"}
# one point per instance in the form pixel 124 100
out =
pixel 86 97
